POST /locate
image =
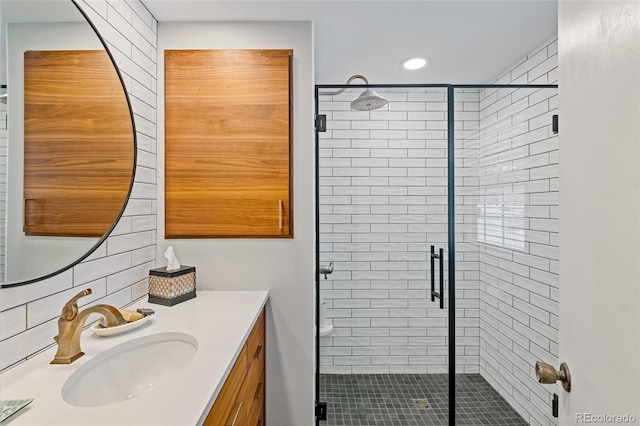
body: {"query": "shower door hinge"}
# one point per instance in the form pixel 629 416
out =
pixel 321 411
pixel 321 122
pixel 554 123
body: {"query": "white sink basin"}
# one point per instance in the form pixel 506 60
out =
pixel 130 369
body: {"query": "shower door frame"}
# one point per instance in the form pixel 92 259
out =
pixel 451 222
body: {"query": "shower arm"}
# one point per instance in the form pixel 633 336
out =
pixel 353 77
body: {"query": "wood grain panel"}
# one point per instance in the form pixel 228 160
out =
pixel 250 388
pixel 255 341
pixel 242 396
pixel 256 413
pixel 78 143
pixel 227 143
pixel 228 395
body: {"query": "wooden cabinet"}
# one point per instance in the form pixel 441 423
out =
pixel 241 399
pixel 78 143
pixel 228 142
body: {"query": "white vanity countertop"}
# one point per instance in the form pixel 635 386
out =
pixel 219 320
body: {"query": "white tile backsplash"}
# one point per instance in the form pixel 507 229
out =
pixel 15 296
pixel 117 271
pixel 13 321
pixel 29 342
pixel 129 242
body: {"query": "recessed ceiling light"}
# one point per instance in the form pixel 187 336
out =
pixel 412 64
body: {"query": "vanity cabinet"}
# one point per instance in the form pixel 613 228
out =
pixel 228 137
pixel 241 401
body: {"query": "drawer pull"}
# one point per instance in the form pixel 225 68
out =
pixel 258 352
pixel 235 412
pixel 280 206
pixel 258 391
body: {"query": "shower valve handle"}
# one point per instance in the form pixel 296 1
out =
pixel 326 269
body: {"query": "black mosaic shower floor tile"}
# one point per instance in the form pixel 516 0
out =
pixel 388 400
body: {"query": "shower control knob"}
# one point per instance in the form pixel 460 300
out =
pixel 326 269
pixel 547 374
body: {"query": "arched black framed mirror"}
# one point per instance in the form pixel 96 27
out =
pixel 67 138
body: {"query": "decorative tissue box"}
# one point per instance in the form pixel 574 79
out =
pixel 172 287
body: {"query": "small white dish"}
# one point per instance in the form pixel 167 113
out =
pixel 110 331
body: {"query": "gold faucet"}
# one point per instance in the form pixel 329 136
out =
pixel 70 326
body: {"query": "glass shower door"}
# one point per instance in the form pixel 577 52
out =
pixel 506 251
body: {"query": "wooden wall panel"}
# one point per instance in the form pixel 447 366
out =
pixel 78 143
pixel 228 143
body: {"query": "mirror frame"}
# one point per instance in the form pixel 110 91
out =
pixel 133 172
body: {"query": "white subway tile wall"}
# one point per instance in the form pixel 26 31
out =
pixel 4 144
pixel 117 272
pixel 518 235
pixel 383 203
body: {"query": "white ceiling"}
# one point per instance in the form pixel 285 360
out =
pixel 39 11
pixel 467 41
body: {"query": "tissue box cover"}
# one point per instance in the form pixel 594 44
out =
pixel 172 287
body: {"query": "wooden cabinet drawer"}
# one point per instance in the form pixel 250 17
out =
pixel 251 388
pixel 255 341
pixel 227 398
pixel 256 412
pixel 238 415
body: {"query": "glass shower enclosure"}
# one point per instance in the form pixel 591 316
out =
pixel 427 210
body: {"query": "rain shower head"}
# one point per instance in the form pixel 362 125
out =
pixel 367 101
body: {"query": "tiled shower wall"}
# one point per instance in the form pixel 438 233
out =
pixel 3 183
pixel 518 234
pixel 117 270
pixel 383 202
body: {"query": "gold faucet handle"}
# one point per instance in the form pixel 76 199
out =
pixel 70 309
